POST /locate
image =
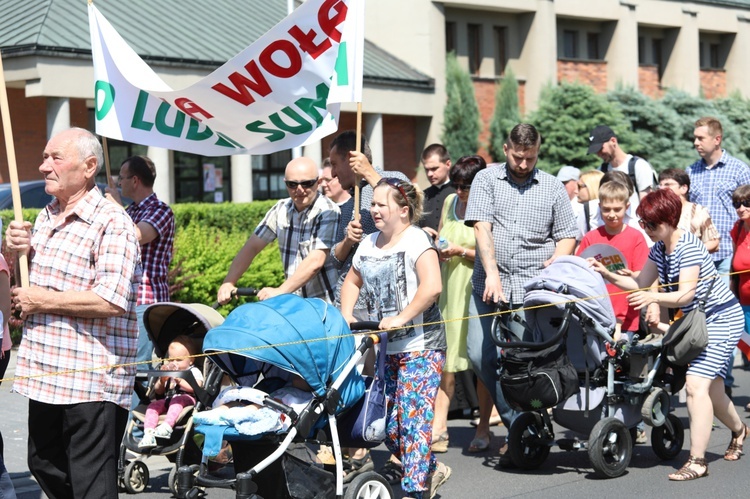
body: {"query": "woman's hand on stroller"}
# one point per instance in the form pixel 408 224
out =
pixel 641 299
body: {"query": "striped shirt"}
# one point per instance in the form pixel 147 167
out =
pixel 94 249
pixel 690 252
pixel 527 219
pixel 299 233
pixel 157 254
pixel 713 188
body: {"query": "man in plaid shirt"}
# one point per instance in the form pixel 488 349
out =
pixel 75 362
pixel 713 179
pixel 522 220
pixel 305 225
pixel 155 230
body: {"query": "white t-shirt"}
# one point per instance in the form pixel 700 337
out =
pixel 389 283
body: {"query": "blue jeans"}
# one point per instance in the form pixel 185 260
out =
pixel 723 267
pixel 484 354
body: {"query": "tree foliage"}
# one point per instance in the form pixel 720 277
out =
pixel 461 123
pixel 506 114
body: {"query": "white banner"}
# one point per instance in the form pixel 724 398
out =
pixel 274 95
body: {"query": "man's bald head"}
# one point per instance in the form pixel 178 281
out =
pixel 301 178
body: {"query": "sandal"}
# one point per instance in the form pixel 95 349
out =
pixel 734 451
pixel 687 473
pixel 440 444
pixel 392 472
pixel 353 467
pixel 479 444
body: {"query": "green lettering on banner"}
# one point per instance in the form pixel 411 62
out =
pixel 309 105
pixel 194 132
pixel 140 108
pixel 342 66
pixel 103 106
pixel 226 141
pixel 303 126
pixel 175 129
pixel 257 127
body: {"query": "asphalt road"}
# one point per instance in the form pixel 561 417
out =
pixel 563 474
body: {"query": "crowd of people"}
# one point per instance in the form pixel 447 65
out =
pixel 432 266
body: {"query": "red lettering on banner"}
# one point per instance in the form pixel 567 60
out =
pixel 329 24
pixel 287 47
pixel 242 83
pixel 192 109
pixel 307 41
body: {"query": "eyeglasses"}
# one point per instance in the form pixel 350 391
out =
pixel 737 204
pixel 306 184
pixel 463 187
pixel 395 183
pixel 647 225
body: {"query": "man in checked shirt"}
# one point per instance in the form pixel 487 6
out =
pixel 75 362
pixel 522 220
pixel 154 225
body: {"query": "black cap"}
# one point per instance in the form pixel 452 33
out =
pixel 599 136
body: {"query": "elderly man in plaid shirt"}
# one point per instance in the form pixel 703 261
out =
pixel 522 220
pixel 75 362
pixel 713 179
pixel 305 225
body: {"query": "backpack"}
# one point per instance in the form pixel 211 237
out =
pixel 631 173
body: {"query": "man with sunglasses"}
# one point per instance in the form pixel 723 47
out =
pixel 305 225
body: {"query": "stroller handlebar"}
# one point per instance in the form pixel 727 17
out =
pixel 503 340
pixel 244 292
pixel 364 326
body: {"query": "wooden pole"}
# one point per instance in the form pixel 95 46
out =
pixel 15 190
pixel 358 146
pixel 107 167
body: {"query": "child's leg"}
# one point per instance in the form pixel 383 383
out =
pixel 418 379
pixel 176 405
pixel 152 413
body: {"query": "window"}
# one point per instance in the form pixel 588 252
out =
pixel 475 48
pixel 592 46
pixel 570 44
pixel 201 179
pixel 641 50
pixel 658 59
pixel 450 37
pixel 119 151
pixel 713 55
pixel 501 54
pixel 268 175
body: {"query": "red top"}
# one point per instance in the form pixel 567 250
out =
pixel 741 260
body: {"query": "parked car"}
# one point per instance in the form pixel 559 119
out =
pixel 33 195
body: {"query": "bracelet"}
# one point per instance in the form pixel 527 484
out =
pixel 463 253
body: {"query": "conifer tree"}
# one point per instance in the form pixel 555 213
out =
pixel 461 114
pixel 506 115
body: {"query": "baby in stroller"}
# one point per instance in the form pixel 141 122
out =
pixel 179 393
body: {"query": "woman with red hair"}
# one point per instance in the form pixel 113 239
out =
pixel 684 268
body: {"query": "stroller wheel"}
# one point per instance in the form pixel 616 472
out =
pixel 369 485
pixel 667 440
pixel 527 442
pixel 610 448
pixel 135 478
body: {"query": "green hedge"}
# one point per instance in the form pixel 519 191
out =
pixel 207 238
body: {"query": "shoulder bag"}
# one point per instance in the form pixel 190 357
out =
pixel 687 337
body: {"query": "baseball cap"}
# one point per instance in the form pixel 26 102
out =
pixel 568 173
pixel 599 136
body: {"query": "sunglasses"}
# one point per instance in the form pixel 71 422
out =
pixel 737 204
pixel 395 183
pixel 647 225
pixel 463 187
pixel 304 183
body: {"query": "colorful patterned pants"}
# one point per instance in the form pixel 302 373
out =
pixel 412 381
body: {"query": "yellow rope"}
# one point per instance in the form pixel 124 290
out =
pixel 297 342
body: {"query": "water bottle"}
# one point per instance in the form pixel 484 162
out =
pixel 443 243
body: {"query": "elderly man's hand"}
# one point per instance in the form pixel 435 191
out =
pixel 27 301
pixel 18 236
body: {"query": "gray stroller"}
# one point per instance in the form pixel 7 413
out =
pixel 618 383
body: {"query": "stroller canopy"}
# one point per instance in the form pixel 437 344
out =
pixel 303 336
pixel 165 321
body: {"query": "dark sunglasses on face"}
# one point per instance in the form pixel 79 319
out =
pixel 647 225
pixel 304 183
pixel 737 204
pixel 463 187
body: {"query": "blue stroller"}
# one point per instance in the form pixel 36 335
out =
pixel 264 345
pixel 619 383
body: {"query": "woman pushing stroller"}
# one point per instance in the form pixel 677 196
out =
pixel 681 262
pixel 398 273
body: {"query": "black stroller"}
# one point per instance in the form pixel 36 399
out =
pixel 598 388
pixel 164 322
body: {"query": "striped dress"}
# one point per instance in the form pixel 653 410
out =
pixel 725 320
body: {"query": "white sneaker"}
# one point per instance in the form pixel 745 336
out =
pixel 163 431
pixel 148 439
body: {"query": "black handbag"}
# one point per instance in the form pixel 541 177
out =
pixel 533 380
pixel 687 337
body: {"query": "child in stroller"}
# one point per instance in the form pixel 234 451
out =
pixel 177 392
